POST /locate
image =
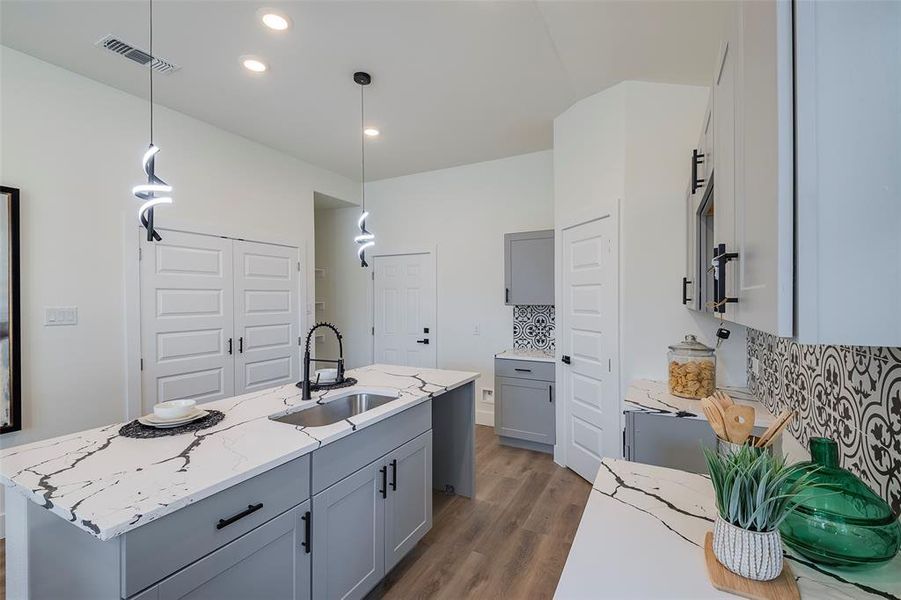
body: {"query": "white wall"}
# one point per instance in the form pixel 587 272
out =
pixel 73 147
pixel 464 212
pixel 630 144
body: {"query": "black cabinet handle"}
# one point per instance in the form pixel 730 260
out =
pixel 565 359
pixel 251 508
pixel 306 532
pixel 550 393
pixel 425 341
pixel 523 370
pixel 685 298
pixel 229 345
pixel 394 474
pixel 507 295
pixel 241 344
pixel 384 490
pixel 696 159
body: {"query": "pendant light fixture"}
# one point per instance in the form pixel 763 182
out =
pixel 155 191
pixel 365 239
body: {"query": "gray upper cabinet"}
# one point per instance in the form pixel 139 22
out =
pixel 408 508
pixel 529 268
pixel 349 535
pixel 269 562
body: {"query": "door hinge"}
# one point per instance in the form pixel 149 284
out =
pixel 610 365
pixel 373 331
pixel 298 265
pixel 140 253
pixel 373 275
pixel 299 341
pixel 142 364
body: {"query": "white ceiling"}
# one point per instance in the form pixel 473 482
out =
pixel 453 82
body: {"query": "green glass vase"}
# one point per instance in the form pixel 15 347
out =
pixel 841 522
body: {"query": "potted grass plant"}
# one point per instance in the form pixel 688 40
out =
pixel 755 492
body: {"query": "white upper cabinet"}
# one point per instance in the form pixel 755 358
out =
pixel 848 91
pixel 763 236
pixel 806 173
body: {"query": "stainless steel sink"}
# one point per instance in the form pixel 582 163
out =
pixel 334 410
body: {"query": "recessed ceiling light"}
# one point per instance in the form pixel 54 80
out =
pixel 371 131
pixel 274 20
pixel 253 64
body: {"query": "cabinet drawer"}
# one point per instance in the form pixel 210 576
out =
pixel 524 369
pixel 156 550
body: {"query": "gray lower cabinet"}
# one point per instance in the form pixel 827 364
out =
pixel 369 520
pixel 408 507
pixel 270 562
pixel 529 267
pixel 524 409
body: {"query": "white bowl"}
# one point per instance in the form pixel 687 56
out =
pixel 174 409
pixel 326 375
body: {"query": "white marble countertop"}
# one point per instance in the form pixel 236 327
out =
pixel 653 396
pixel 526 354
pixel 107 484
pixel 642 536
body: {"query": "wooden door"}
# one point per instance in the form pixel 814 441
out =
pixel 408 508
pixel 404 310
pixel 266 316
pixel 187 328
pixel 589 340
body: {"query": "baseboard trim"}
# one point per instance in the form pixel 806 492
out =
pixel 485 417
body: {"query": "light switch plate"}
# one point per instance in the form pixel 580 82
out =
pixel 60 315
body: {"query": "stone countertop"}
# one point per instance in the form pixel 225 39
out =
pixel 107 484
pixel 526 354
pixel 642 536
pixel 653 396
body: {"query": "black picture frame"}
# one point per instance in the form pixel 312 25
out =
pixel 15 337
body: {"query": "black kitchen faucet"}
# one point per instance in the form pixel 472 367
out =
pixel 305 384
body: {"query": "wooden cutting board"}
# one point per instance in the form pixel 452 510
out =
pixel 781 588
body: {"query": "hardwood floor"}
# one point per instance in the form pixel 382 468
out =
pixel 511 541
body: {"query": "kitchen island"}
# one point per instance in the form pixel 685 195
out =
pixel 102 496
pixel 642 536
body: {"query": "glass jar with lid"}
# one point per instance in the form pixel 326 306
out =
pixel 692 369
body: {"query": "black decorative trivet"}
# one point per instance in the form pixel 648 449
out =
pixel 319 387
pixel 140 431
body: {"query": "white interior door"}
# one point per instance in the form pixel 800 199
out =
pixel 266 316
pixel 589 337
pixel 404 309
pixel 186 318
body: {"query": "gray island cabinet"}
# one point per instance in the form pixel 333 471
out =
pixel 327 524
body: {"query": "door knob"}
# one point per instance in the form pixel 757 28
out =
pixel 425 341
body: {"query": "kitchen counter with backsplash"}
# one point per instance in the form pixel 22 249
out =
pixel 653 396
pixel 526 354
pixel 642 536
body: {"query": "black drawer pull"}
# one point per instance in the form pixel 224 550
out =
pixel 251 508
pixel 523 370
pixel 550 393
pixel 394 474
pixel 306 532
pixel 384 490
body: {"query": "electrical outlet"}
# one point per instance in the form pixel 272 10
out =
pixel 487 396
pixel 60 315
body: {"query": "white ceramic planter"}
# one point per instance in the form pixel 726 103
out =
pixel 750 554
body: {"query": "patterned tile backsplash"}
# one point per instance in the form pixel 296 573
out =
pixel 851 394
pixel 533 327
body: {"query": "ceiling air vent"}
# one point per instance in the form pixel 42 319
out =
pixel 113 44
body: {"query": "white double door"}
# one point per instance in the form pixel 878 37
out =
pixel 404 307
pixel 589 341
pixel 219 317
